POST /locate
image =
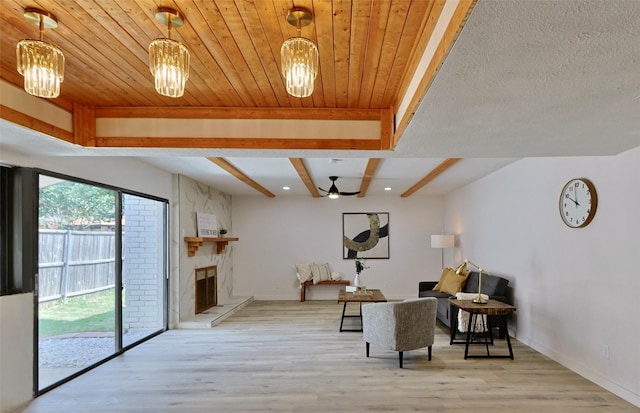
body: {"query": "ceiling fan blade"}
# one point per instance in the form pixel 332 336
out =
pixel 333 191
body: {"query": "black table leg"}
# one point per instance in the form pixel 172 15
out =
pixel 489 327
pixel 359 315
pixel 503 322
pixel 344 308
pixel 504 325
pixel 453 329
pixel 485 330
pixel 466 346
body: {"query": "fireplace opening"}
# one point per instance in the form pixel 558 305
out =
pixel 206 288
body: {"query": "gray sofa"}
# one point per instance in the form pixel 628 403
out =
pixel 495 287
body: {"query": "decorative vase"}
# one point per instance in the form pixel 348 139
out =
pixel 356 281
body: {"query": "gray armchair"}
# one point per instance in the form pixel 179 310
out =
pixel 400 326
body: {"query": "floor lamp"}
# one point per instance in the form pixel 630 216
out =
pixel 442 242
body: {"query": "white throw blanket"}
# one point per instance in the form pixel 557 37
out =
pixel 480 325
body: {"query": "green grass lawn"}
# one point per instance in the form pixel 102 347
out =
pixel 78 315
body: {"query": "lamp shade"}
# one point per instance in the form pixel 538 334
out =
pixel 169 65
pixel 442 241
pixel 299 59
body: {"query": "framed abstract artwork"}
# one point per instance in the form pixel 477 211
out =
pixel 365 235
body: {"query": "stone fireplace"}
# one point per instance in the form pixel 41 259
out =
pixel 206 288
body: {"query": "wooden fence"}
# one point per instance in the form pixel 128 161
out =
pixel 73 263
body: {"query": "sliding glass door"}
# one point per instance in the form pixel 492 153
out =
pixel 77 277
pixel 102 276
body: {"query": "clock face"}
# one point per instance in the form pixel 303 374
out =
pixel 578 202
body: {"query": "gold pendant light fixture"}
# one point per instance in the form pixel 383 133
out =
pixel 299 56
pixel 41 64
pixel 169 59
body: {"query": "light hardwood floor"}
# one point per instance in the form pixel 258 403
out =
pixel 287 356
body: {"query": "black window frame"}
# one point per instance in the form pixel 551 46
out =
pixel 19 218
pixel 4 230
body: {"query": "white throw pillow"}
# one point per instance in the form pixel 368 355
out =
pixel 335 276
pixel 320 272
pixel 480 325
pixel 303 272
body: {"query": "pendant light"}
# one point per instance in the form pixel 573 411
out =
pixel 299 56
pixel 169 59
pixel 41 64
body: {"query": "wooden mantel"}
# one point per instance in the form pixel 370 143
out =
pixel 193 243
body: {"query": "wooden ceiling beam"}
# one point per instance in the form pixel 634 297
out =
pixel 9 114
pixel 429 23
pixel 193 112
pixel 227 166
pixel 84 125
pixel 444 165
pixel 369 172
pixel 237 143
pixel 301 169
pixel 458 20
pixel 386 129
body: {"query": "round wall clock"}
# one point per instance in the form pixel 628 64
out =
pixel 578 202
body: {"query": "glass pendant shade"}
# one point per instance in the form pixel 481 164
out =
pixel 42 66
pixel 299 58
pixel 169 65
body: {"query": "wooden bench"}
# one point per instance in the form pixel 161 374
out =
pixel 304 285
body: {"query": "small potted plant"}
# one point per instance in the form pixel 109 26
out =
pixel 361 265
pixel 223 232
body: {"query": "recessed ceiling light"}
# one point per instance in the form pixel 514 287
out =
pixel 286 188
pixel 388 188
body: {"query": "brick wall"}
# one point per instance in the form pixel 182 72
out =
pixel 143 268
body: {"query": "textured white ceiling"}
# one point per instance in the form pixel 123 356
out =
pixel 536 78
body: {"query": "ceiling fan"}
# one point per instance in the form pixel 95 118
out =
pixel 333 192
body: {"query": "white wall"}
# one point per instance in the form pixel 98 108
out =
pixel 575 289
pixel 276 233
pixel 16 336
pixel 16 350
pixel 123 172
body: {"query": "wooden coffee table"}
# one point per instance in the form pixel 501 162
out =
pixel 492 307
pixel 366 296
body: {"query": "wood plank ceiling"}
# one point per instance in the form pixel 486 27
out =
pixel 368 51
pixel 364 48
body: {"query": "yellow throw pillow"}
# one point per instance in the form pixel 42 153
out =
pixel 442 277
pixel 453 282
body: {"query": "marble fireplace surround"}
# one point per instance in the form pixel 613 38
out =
pixel 191 197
